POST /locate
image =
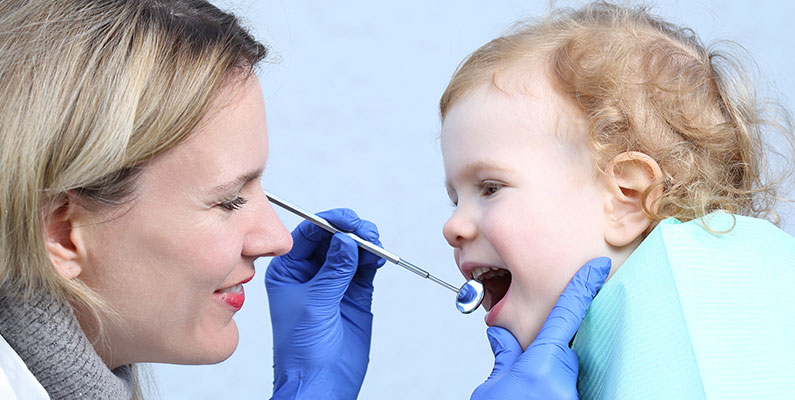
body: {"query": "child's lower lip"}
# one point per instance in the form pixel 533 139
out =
pixel 492 315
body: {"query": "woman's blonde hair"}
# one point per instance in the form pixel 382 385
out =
pixel 646 85
pixel 91 91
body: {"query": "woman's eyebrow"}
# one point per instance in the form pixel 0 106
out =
pixel 238 182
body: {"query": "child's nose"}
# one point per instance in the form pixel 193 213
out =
pixel 459 228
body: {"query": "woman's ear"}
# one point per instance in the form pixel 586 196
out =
pixel 628 175
pixel 63 243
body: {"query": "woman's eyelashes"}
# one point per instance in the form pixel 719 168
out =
pixel 233 203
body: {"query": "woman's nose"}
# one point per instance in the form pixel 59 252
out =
pixel 459 228
pixel 269 237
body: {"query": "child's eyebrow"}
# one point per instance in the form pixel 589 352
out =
pixel 472 168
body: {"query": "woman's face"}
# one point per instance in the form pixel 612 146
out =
pixel 172 261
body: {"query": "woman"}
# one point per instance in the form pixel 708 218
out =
pixel 133 142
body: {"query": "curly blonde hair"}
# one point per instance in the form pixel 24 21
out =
pixel 646 85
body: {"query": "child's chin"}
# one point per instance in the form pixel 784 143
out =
pixel 521 327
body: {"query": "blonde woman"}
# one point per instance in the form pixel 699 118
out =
pixel 133 142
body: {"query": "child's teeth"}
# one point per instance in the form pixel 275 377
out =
pixel 479 271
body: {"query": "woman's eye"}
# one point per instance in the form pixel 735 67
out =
pixel 233 204
pixel 489 188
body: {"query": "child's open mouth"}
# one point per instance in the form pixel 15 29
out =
pixel 496 282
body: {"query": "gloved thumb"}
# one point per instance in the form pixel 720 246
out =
pixel 505 347
pixel 336 273
pixel 565 318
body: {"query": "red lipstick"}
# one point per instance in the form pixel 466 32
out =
pixel 233 295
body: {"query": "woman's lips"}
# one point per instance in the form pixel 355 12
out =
pixel 234 295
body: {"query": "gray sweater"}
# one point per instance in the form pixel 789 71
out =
pixel 48 338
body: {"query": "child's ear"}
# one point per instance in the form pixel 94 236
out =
pixel 63 243
pixel 627 176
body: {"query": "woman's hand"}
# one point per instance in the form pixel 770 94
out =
pixel 548 368
pixel 320 295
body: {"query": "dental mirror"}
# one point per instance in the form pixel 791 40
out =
pixel 468 297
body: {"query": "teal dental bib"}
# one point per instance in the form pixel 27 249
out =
pixel 695 315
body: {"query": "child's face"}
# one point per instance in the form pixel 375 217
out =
pixel 528 203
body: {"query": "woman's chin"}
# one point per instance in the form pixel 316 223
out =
pixel 214 349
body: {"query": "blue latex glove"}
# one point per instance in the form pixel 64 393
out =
pixel 320 295
pixel 548 368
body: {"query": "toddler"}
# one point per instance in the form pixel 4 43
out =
pixel 572 138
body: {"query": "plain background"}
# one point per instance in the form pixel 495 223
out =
pixel 352 94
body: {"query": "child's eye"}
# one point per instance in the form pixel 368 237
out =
pixel 233 203
pixel 451 194
pixel 489 188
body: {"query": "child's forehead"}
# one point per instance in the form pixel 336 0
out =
pixel 491 120
pixel 528 96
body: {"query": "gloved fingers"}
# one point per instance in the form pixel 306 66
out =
pixel 310 242
pixel 565 318
pixel 343 219
pixel 299 264
pixel 307 235
pixel 360 290
pixel 307 238
pixel 285 270
pixel 357 317
pixel 368 231
pixel 369 263
pixel 310 245
pixel 358 298
pixel 505 347
pixel 362 283
pixel 348 221
pixel 333 278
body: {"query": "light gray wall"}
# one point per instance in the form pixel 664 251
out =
pixel 352 110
